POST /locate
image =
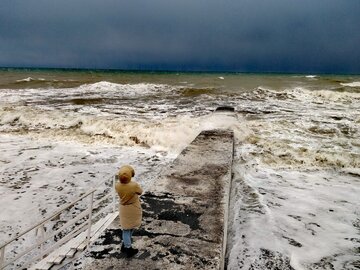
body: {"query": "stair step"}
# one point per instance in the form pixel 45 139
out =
pixel 102 226
pixel 78 243
pixel 71 253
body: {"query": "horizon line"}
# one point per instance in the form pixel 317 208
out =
pixel 139 70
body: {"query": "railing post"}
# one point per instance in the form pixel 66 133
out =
pixel 40 231
pixel 113 193
pixel 90 217
pixel 2 256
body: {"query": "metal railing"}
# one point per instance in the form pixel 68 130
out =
pixel 45 239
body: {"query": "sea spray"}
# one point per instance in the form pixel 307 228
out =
pixel 296 178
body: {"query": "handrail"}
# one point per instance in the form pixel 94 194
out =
pixel 44 238
pixel 81 228
pixel 73 234
pixel 47 219
pixel 52 216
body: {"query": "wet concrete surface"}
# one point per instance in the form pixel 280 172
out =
pixel 184 214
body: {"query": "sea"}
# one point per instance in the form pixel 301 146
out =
pixel 295 197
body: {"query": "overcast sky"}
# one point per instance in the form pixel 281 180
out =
pixel 241 35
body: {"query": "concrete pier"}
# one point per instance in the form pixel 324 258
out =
pixel 184 214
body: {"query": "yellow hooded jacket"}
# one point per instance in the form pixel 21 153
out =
pixel 129 191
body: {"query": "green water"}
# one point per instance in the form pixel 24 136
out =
pixel 228 82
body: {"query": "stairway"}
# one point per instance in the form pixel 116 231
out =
pixel 77 244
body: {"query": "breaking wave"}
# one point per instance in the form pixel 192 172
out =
pixel 43 81
pixel 312 76
pixel 352 84
pixel 30 79
pixel 97 90
pixel 130 90
pixel 171 134
pixel 307 95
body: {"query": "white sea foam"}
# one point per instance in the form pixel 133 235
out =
pixel 38 176
pixel 101 89
pixel 305 95
pixel 321 96
pixel 296 168
pixel 352 84
pixel 171 134
pixel 53 151
pixel 126 89
pixel 305 216
pixel 295 197
pixel 28 79
pixel 297 144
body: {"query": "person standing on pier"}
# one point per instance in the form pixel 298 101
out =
pixel 130 207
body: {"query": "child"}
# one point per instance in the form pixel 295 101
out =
pixel 130 208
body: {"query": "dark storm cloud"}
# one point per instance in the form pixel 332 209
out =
pixel 243 35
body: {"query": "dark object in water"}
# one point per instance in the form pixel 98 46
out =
pixel 225 108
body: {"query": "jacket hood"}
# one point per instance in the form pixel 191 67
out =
pixel 125 174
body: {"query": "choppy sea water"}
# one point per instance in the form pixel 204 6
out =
pixel 295 200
